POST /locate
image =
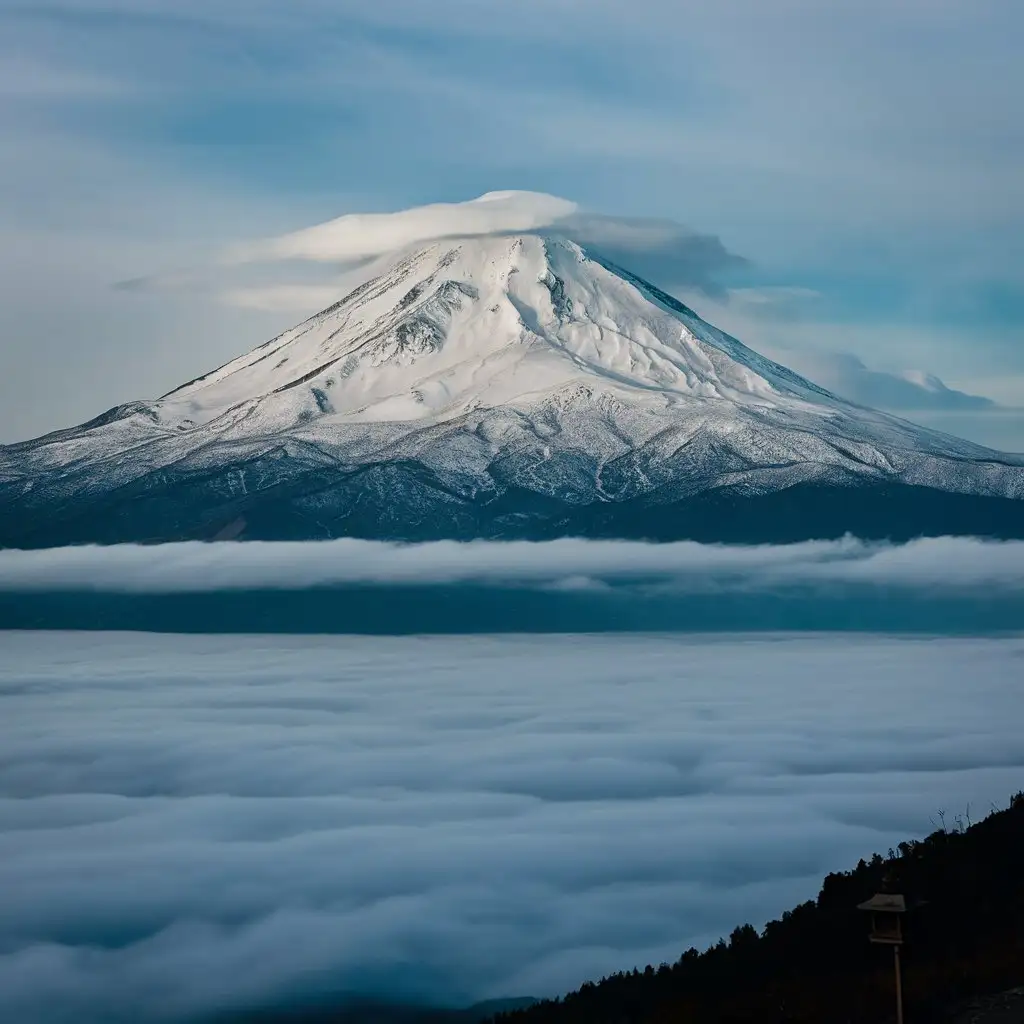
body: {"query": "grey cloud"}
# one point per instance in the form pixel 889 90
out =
pixel 192 824
pixel 848 376
pixel 660 250
pixel 136 284
pixel 170 282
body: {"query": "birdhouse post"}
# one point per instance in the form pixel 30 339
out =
pixel 887 910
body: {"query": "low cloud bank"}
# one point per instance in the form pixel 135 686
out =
pixel 939 585
pixel 196 566
pixel 191 825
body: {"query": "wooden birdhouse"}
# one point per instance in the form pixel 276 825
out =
pixel 886 910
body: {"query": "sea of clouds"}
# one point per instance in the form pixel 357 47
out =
pixel 190 824
pixel 940 585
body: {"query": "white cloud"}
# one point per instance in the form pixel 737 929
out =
pixel 195 567
pixel 929 586
pixel 360 236
pixel 191 824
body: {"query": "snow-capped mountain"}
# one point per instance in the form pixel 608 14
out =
pixel 509 386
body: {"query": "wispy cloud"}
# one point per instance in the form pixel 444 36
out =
pixel 287 298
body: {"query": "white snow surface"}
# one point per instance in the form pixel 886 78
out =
pixel 485 322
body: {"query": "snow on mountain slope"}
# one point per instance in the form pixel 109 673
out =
pixel 480 322
pixel 463 374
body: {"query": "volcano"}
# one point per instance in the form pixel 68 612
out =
pixel 518 387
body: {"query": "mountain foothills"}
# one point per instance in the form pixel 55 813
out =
pixel 502 387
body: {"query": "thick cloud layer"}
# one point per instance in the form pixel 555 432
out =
pixel 191 824
pixel 353 586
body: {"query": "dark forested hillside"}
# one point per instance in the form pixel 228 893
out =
pixel 964 932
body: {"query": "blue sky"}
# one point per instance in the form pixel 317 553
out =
pixel 864 158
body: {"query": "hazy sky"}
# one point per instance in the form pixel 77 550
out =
pixel 864 157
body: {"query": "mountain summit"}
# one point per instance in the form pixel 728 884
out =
pixel 504 387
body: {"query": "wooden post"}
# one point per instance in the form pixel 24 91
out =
pixel 899 984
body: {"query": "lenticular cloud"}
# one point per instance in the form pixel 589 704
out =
pixel 360 236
